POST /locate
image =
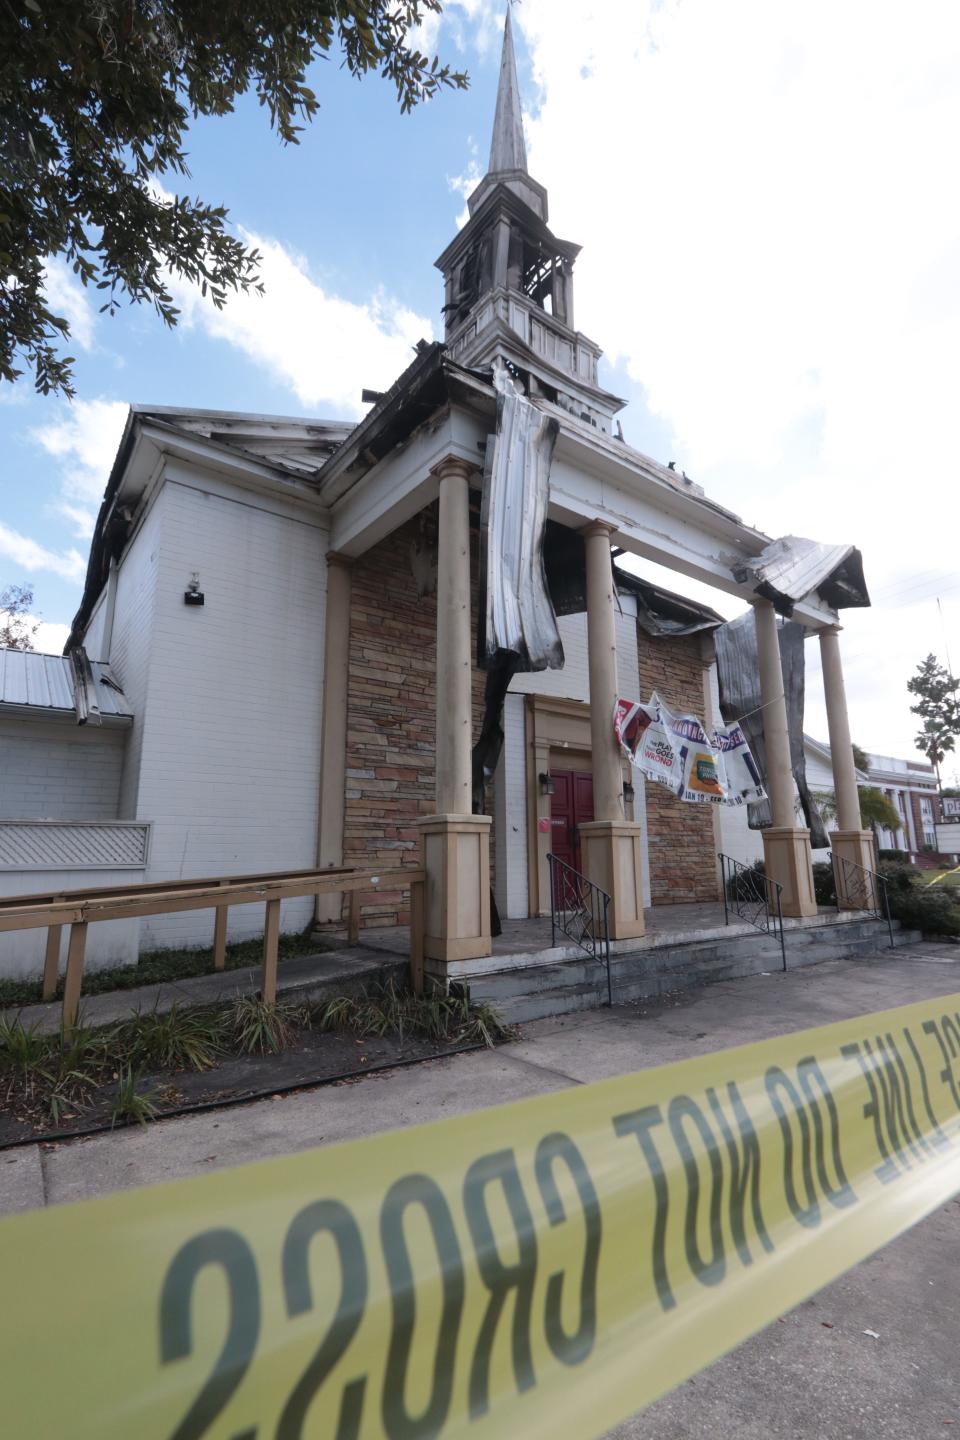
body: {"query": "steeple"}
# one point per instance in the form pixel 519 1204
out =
pixel 507 148
pixel 509 280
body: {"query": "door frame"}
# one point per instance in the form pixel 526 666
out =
pixel 557 732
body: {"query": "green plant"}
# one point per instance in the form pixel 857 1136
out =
pixel 747 884
pixel 27 1059
pixel 876 809
pixel 131 1104
pixel 177 1040
pixel 824 883
pixel 390 1010
pixel 259 1027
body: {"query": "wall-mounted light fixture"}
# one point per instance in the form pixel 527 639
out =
pixel 548 785
pixel 193 595
pixel 628 792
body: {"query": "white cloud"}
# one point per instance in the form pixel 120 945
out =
pixel 66 298
pixel 772 249
pixel 324 348
pixel 29 556
pixel 84 438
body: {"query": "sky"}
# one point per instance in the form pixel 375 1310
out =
pixel 766 196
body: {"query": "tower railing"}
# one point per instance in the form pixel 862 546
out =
pixel 750 895
pixel 580 910
pixel 861 889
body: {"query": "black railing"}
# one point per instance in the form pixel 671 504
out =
pixel 580 910
pixel 752 896
pixel 861 889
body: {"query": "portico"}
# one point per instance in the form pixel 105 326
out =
pixel 509 302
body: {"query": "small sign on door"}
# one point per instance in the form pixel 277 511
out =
pixel 543 826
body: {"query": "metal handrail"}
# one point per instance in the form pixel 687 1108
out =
pixel 754 897
pixel 581 911
pixel 862 889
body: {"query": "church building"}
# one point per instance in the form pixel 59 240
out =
pixel 289 649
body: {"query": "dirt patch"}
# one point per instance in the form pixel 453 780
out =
pixel 314 1058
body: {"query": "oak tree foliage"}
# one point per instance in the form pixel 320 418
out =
pixel 96 97
pixel 17 625
pixel 938 706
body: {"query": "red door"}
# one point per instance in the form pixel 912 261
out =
pixel 571 805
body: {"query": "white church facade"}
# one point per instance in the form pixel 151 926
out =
pixel 275 663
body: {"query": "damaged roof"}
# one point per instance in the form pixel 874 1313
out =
pixel 791 568
pixel 38 684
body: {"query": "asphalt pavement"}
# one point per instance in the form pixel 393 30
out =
pixel 874 1354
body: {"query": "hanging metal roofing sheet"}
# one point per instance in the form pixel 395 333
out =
pixel 32 681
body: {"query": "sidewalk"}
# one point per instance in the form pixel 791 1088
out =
pixel 814 1375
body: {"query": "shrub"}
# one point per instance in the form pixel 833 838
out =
pixel 177 1040
pixel 132 1104
pixel 747 884
pixel 895 857
pixel 824 883
pixel 932 911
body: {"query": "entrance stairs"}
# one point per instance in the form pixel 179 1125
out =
pixel 533 986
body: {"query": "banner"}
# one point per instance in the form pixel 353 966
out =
pixel 675 750
pixel 542 1269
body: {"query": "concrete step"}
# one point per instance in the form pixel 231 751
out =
pixel 532 992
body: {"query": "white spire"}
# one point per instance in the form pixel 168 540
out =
pixel 507 149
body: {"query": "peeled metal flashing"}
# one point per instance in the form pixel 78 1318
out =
pixel 58 686
pixel 791 568
pixel 519 617
pixel 738 674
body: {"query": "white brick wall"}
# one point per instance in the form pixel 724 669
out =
pixel 113 942
pixel 230 739
pixel 54 770
pixel 573 681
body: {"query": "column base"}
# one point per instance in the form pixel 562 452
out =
pixel 611 851
pixel 855 890
pixel 456 857
pixel 787 859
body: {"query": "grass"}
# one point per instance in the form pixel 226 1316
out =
pixel 51 1078
pixel 157 966
pixel 132 1105
pixel 390 1010
pixel 942 878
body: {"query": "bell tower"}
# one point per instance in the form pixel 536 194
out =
pixel 509 281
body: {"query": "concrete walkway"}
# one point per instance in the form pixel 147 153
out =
pixel 814 1375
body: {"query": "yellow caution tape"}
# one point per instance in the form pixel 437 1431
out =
pixel 543 1269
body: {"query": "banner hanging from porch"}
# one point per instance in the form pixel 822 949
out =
pixel 675 750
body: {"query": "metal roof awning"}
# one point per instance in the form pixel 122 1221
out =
pixel 61 687
pixel 789 569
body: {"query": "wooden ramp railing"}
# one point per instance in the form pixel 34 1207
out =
pixel 80 908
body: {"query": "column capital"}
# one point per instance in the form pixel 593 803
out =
pixel 337 557
pixel 835 629
pixel 598 527
pixel 452 466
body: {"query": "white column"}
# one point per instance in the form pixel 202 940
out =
pixel 602 658
pixel 850 842
pixel 454 709
pixel 456 843
pixel 786 846
pixel 775 731
pixel 611 845
pixel 838 727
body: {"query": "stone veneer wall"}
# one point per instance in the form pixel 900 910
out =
pixel 391 708
pixel 680 837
